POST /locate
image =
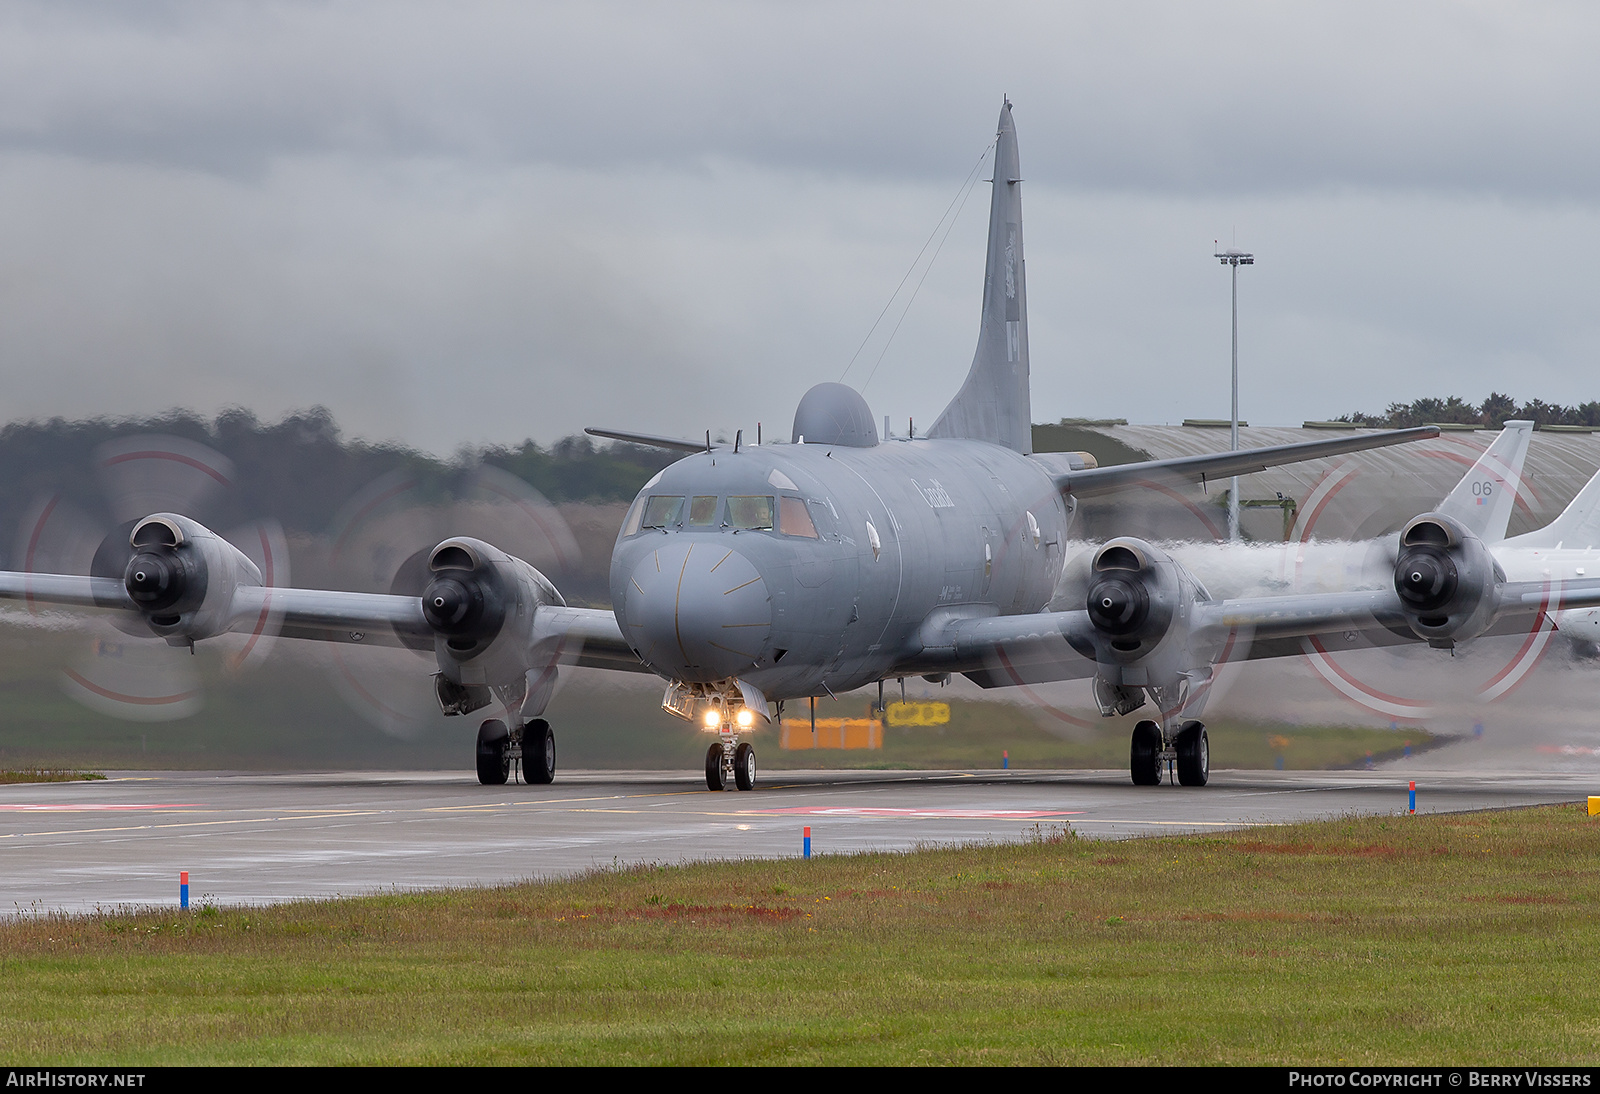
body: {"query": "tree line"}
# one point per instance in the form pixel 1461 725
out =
pixel 300 470
pixel 1492 413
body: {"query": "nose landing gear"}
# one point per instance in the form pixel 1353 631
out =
pixel 729 760
pixel 726 708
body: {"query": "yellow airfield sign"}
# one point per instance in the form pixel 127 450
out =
pixel 919 714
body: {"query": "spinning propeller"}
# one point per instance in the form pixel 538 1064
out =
pixel 124 669
pixel 405 536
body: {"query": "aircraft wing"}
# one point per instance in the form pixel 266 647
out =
pixel 1297 615
pixel 1001 651
pixel 592 633
pixel 588 636
pixel 1043 646
pixel 328 615
pixel 1103 480
pixel 65 590
pixel 1547 596
pixel 581 636
pixel 1004 650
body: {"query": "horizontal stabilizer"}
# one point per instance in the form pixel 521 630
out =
pixel 1104 480
pixel 650 440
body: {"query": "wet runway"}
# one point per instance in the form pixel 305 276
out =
pixel 253 838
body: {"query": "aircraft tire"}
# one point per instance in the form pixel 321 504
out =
pixel 1194 754
pixel 714 779
pixel 494 766
pixel 538 752
pixel 1144 754
pixel 744 766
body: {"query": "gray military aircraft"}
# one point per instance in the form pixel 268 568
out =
pixel 750 575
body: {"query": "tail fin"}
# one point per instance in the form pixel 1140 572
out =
pixel 1578 526
pixel 1484 499
pixel 993 405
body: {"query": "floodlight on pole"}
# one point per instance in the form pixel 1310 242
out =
pixel 1235 259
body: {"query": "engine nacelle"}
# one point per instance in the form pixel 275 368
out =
pixel 480 603
pixel 182 576
pixel 1139 604
pixel 1446 578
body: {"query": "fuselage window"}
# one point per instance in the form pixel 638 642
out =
pixel 703 509
pixel 793 520
pixel 754 513
pixel 663 511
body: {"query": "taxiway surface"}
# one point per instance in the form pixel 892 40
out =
pixel 254 838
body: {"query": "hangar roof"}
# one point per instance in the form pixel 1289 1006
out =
pixel 1357 496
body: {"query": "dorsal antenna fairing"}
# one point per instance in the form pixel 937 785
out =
pixel 994 404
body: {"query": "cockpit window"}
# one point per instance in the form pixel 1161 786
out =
pixel 703 509
pixel 630 526
pixel 754 513
pixel 663 511
pixel 793 520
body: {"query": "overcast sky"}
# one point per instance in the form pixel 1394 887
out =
pixel 460 224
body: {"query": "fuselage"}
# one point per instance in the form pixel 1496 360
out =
pixel 803 569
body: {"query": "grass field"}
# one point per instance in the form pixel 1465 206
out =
pixel 1467 938
pixel 48 775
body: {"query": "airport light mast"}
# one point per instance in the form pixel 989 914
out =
pixel 1235 259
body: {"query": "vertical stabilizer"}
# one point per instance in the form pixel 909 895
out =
pixel 993 405
pixel 1484 499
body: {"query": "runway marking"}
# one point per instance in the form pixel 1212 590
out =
pixel 477 808
pixel 936 814
pixel 93 807
pixel 195 824
pixel 697 793
pixel 674 813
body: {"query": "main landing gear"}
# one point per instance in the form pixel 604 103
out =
pixel 729 761
pixel 532 745
pixel 1154 750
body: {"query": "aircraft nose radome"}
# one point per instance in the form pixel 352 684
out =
pixel 699 611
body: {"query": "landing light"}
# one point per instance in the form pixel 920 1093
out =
pixel 746 718
pixel 713 718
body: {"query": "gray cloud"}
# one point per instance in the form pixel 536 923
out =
pixel 1167 96
pixel 463 224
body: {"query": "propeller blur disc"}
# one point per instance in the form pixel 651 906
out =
pixel 134 680
pixel 380 542
pixel 121 669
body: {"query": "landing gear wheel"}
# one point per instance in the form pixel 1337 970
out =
pixel 538 752
pixel 1144 755
pixel 1194 754
pixel 714 776
pixel 744 766
pixel 494 765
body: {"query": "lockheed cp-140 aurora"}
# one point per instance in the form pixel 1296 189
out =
pixel 747 576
